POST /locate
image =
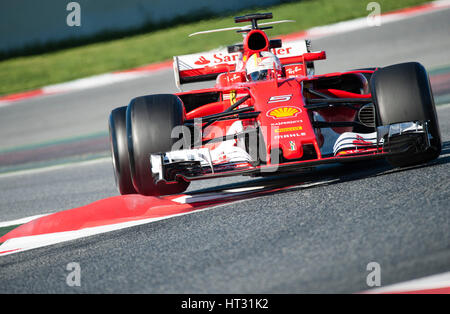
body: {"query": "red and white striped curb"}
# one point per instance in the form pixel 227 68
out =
pixel 435 284
pixel 88 82
pixel 119 212
pixel 363 22
pixel 313 33
pixel 111 214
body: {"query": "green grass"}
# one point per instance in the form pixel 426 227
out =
pixel 24 73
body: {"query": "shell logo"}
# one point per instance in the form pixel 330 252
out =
pixel 284 112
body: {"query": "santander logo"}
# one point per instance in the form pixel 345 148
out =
pixel 361 140
pixel 202 61
pixel 221 57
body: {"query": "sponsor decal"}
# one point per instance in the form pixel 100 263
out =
pixel 356 151
pixel 294 70
pixel 362 140
pixel 277 137
pixel 283 112
pixel 280 98
pixel 234 78
pixel 227 58
pixel 212 58
pixel 282 51
pixel 226 96
pixel 292 144
pixel 202 61
pixel 286 122
pixel 291 129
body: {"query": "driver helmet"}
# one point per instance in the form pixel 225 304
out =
pixel 259 65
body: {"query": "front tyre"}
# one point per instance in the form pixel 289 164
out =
pixel 150 121
pixel 402 93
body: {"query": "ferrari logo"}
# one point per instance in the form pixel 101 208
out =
pixel 232 97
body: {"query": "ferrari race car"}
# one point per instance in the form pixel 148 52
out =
pixel 269 113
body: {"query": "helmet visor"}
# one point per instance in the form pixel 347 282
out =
pixel 258 75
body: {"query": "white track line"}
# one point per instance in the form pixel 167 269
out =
pixel 20 221
pixel 362 22
pixel 92 82
pixel 442 107
pixel 55 167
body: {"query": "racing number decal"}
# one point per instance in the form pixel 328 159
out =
pixel 283 111
pixel 280 98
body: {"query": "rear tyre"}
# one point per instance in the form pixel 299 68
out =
pixel 119 150
pixel 150 121
pixel 402 93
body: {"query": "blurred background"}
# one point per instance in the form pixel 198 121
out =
pixel 27 23
pixel 52 41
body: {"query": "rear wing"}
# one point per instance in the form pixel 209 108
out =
pixel 207 66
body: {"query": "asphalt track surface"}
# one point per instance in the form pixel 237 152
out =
pixel 317 237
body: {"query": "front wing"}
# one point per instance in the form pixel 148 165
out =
pixel 203 163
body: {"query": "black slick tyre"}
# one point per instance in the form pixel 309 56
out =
pixel 402 93
pixel 150 121
pixel 119 151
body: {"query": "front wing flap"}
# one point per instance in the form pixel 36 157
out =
pixel 202 163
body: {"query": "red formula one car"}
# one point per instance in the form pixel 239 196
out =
pixel 268 113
